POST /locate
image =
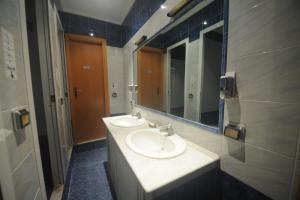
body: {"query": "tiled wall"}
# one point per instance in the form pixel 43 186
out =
pixel 264 50
pixel 84 25
pixel 116 79
pixel 265 59
pixel 21 165
pixel 137 16
pixel 191 28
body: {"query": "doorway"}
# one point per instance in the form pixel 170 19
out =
pixel 211 44
pixel 150 77
pixel 176 68
pixel 88 86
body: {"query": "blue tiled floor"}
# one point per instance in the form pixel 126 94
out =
pixel 88 179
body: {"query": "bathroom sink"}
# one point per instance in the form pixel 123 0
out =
pixel 127 121
pixel 155 144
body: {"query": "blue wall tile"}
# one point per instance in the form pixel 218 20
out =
pixel 191 28
pixel 77 24
pixel 139 13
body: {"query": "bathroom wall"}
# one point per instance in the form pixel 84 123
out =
pixel 265 59
pixel 211 76
pixel 177 83
pixel 137 16
pixel 81 25
pixel 116 79
pixel 263 49
pixel 20 171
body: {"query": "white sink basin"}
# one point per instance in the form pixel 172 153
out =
pixel 127 121
pixel 155 144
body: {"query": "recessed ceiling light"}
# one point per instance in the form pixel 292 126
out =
pixel 163 6
pixel 91 34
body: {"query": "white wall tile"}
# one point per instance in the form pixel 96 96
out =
pixel 116 76
pixel 25 179
pixel 194 79
pixel 13 91
pixel 267 172
pixel 256 26
pixel 272 76
pixel 274 126
pixel 263 49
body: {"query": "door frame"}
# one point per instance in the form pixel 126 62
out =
pixel 27 71
pixel 168 70
pixel 201 66
pixel 92 40
pixel 61 38
pixel 44 45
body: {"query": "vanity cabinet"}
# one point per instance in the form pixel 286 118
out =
pixel 127 186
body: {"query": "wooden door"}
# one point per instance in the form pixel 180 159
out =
pixel 150 78
pixel 87 70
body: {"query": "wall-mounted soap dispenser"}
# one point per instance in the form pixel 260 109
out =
pixel 228 85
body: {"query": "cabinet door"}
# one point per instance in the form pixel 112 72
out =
pixel 127 182
pixel 111 151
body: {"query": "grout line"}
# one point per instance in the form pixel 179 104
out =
pixel 270 151
pixel 261 101
pixel 263 53
pixel 15 108
pixel 294 169
pixel 23 160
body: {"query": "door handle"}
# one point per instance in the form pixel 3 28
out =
pixel 76 92
pixel 61 101
pixel 157 91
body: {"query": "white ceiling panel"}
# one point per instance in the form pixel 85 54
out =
pixel 113 11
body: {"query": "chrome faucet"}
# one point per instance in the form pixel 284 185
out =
pixel 138 115
pixel 168 129
pixel 164 128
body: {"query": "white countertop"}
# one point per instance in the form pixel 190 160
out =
pixel 154 174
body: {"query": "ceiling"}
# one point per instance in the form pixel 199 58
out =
pixel 113 11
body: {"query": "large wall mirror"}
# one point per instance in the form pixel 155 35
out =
pixel 178 70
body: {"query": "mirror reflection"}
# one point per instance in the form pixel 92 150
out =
pixel 178 71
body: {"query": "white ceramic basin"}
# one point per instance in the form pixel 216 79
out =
pixel 127 121
pixel 155 144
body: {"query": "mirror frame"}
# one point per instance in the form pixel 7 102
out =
pixel 169 26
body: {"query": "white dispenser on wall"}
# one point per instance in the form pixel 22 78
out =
pixel 228 85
